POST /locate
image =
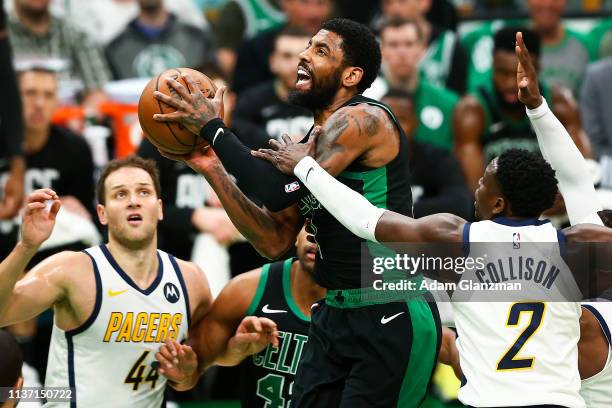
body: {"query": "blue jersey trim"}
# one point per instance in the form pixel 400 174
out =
pixel 562 244
pixel 602 322
pixel 179 275
pixel 466 238
pixel 97 304
pixel 519 223
pixel 71 375
pixel 126 277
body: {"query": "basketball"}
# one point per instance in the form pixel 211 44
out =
pixel 170 137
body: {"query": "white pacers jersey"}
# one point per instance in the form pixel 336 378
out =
pixel 597 390
pixel 520 350
pixel 108 359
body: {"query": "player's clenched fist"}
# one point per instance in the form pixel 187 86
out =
pixel 38 219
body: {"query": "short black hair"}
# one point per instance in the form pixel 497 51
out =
pixel 11 361
pixel 505 39
pixel 527 181
pixel 397 22
pixel 360 48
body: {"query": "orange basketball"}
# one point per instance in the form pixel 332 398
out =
pixel 167 136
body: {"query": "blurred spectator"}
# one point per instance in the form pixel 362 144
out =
pixel 493 120
pixel 479 46
pixel 103 20
pixel 244 19
pixel 565 52
pixel 402 47
pixel 445 61
pixel 36 34
pixel 263 111
pixel 55 158
pixel 437 181
pixel 595 102
pixel 155 41
pixel 10 366
pixel 600 38
pixel 252 65
pixel 12 162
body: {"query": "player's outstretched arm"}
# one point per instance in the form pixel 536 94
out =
pixel 556 144
pixel 43 286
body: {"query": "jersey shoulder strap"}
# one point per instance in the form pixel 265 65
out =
pixel 270 285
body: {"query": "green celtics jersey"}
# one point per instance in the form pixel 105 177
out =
pixel 259 16
pixel 479 47
pixel 434 109
pixel 502 132
pixel 600 38
pixel 267 377
pixel 436 64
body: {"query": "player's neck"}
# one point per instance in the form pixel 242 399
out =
pixel 140 264
pixel 35 140
pixel 342 96
pixel 282 92
pixel 304 289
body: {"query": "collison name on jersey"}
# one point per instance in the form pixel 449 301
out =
pixel 267 377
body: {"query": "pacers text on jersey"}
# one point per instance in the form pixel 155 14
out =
pixel 144 327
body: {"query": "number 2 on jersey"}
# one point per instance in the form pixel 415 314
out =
pixel 508 360
pixel 136 374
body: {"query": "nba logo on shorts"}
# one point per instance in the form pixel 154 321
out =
pixel 171 293
pixel 516 240
pixel 291 187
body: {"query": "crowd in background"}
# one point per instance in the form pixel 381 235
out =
pixel 72 72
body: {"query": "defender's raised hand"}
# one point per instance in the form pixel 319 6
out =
pixel 38 220
pixel 193 109
pixel 285 154
pixel 526 76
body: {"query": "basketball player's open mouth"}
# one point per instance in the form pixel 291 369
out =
pixel 311 252
pixel 303 78
pixel 134 219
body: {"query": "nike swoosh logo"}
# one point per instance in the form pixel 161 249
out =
pixel 113 294
pixel 386 320
pixel 220 130
pixel 266 309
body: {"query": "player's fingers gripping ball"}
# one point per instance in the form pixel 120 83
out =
pixel 171 137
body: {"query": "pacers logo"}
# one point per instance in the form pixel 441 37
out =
pixel 171 293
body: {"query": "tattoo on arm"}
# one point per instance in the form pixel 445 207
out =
pixel 366 123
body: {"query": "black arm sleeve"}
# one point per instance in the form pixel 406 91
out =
pixel 11 125
pixel 256 177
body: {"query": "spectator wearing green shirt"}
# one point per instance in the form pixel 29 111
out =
pixel 445 60
pixel 402 47
pixel 492 120
pixel 565 52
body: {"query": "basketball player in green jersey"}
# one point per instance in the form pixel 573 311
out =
pixel 357 333
pixel 283 291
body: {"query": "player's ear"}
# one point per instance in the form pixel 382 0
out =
pixel 351 76
pixel 500 206
pixel 160 211
pixel 101 214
